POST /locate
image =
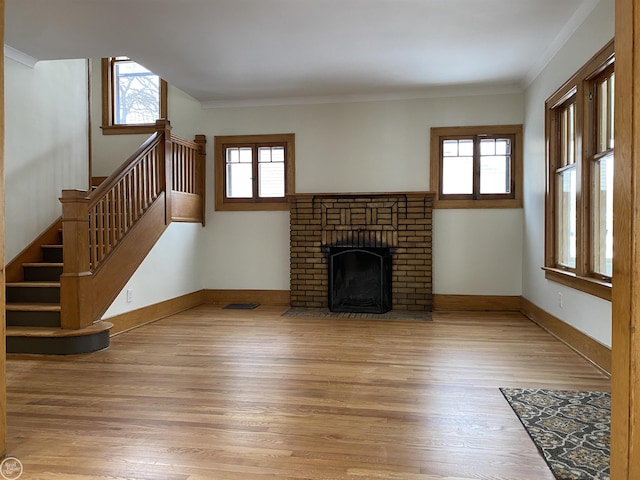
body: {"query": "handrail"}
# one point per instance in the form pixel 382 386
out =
pixel 95 223
pixel 116 176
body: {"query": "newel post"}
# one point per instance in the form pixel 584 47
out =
pixel 75 299
pixel 201 140
pixel 163 127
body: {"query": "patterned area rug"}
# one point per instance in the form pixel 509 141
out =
pixel 571 429
pixel 326 313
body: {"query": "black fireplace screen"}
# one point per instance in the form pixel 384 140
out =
pixel 359 280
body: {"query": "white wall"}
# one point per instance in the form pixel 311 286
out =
pixel 171 269
pixel 587 313
pixel 366 147
pixel 46 147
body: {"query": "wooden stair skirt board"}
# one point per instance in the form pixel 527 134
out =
pixel 56 341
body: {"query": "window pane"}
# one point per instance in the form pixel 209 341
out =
pixel 239 180
pixel 457 175
pixel 239 172
pixel 566 218
pixel 271 171
pixel 567 147
pixel 612 103
pixel 271 177
pixel 605 114
pixel 465 148
pixel 495 175
pixel 495 170
pixel 602 216
pixel 136 94
pixel 450 148
pixel 487 147
pixel 503 146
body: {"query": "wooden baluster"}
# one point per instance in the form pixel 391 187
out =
pixel 144 185
pixel 135 193
pixel 179 171
pixel 154 174
pixel 181 168
pixel 163 127
pixel 101 247
pixel 129 200
pixel 176 166
pixel 119 213
pixel 113 201
pixel 189 170
pixel 74 281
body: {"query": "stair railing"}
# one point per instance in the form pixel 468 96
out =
pixel 165 168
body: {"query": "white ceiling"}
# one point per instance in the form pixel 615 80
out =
pixel 237 52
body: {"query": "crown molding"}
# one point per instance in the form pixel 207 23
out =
pixel 577 19
pixel 432 92
pixel 20 57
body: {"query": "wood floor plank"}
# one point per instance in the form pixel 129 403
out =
pixel 234 394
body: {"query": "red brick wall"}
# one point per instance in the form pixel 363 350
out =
pixel 400 221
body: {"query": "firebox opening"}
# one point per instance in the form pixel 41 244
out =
pixel 359 280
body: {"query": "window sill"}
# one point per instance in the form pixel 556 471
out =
pixel 592 286
pixel 252 207
pixel 509 203
pixel 127 129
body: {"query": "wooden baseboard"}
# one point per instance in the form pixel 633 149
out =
pixel 263 297
pixel 142 316
pixel 592 350
pixel 476 303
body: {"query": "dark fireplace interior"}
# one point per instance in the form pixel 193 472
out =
pixel 359 280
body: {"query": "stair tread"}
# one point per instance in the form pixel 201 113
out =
pixel 33 284
pixel 51 246
pixel 33 307
pixel 14 331
pixel 44 264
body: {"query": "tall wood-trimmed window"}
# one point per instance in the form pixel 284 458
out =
pixel 133 98
pixel 579 202
pixel 254 172
pixel 477 167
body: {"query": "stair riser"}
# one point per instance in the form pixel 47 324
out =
pixel 58 345
pixel 42 274
pixel 52 255
pixel 33 295
pixel 33 319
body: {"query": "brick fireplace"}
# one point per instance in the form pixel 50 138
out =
pixel 400 222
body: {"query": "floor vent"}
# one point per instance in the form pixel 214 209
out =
pixel 241 306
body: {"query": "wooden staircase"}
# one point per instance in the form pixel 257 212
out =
pixel 33 310
pixel 59 287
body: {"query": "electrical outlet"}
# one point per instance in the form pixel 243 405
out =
pixel 129 295
pixel 560 303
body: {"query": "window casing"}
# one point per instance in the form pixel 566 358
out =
pixel 133 98
pixel 477 167
pixel 254 172
pixel 579 201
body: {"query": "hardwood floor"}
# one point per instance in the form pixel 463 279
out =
pixel 232 394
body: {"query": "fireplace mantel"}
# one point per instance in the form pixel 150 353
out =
pixel 400 221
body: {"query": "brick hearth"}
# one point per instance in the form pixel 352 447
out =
pixel 400 221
